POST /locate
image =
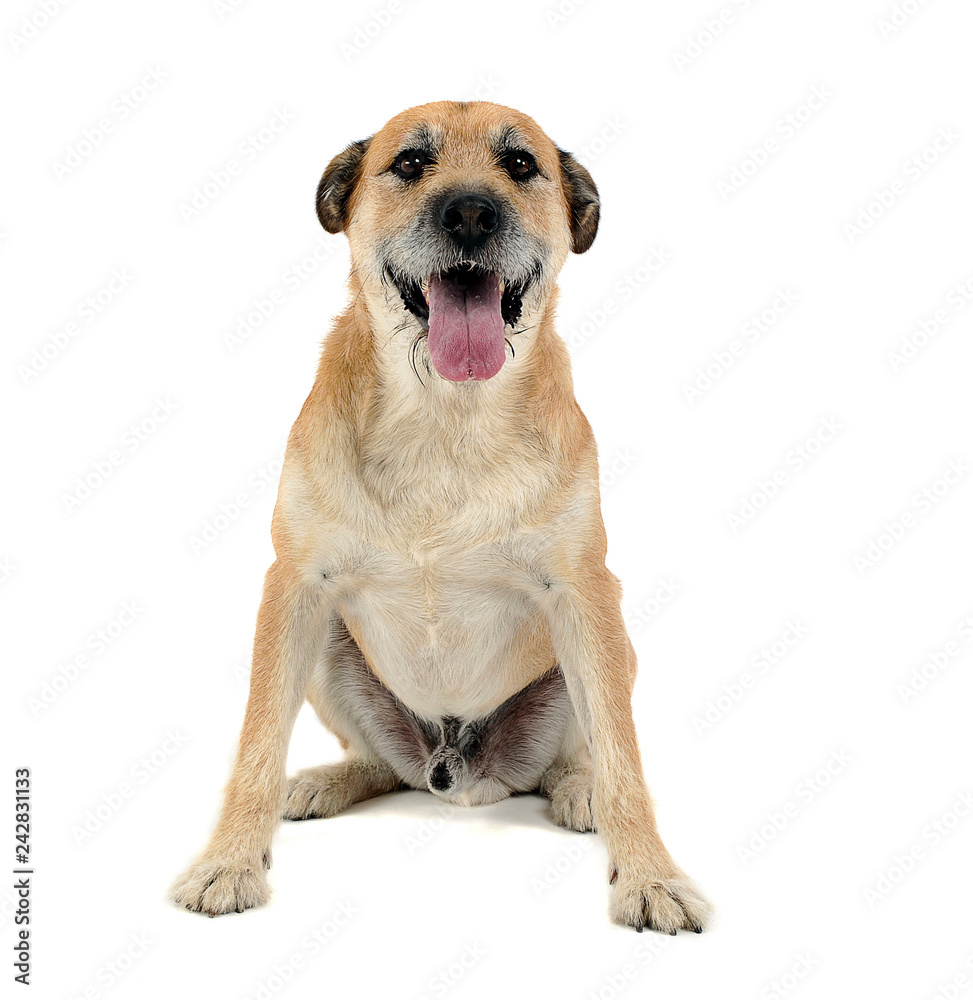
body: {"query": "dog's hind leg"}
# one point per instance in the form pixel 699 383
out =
pixel 518 745
pixel 386 745
pixel 321 792
pixel 568 783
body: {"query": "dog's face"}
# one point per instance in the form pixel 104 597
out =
pixel 461 215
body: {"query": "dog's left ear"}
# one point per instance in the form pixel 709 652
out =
pixel 582 197
pixel 337 184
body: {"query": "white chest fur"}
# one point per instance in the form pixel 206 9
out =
pixel 447 630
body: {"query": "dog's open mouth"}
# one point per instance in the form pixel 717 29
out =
pixel 465 309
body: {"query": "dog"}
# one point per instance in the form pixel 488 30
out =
pixel 439 594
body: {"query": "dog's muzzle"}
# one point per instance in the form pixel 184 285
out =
pixel 479 271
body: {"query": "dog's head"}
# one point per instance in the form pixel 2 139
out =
pixel 461 214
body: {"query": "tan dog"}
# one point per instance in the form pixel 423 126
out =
pixel 440 594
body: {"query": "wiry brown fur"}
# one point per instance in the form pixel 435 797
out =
pixel 454 530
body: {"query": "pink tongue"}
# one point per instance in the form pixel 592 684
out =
pixel 466 328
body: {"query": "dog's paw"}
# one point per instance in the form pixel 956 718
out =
pixel 569 789
pixel 316 793
pixel 667 904
pixel 571 807
pixel 212 887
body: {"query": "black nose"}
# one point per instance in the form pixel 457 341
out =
pixel 440 779
pixel 471 219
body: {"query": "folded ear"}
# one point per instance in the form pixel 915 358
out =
pixel 582 198
pixel 337 184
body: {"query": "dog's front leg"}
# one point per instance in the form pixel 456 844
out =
pixel 291 631
pixel 598 663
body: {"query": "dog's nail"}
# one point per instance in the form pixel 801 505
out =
pixel 673 933
pixel 697 929
pixel 638 928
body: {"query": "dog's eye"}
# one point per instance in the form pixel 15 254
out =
pixel 520 166
pixel 409 164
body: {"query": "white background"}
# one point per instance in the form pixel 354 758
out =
pixel 795 808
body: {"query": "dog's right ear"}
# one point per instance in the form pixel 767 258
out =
pixel 337 184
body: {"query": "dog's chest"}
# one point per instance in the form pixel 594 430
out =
pixel 434 548
pixel 445 626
